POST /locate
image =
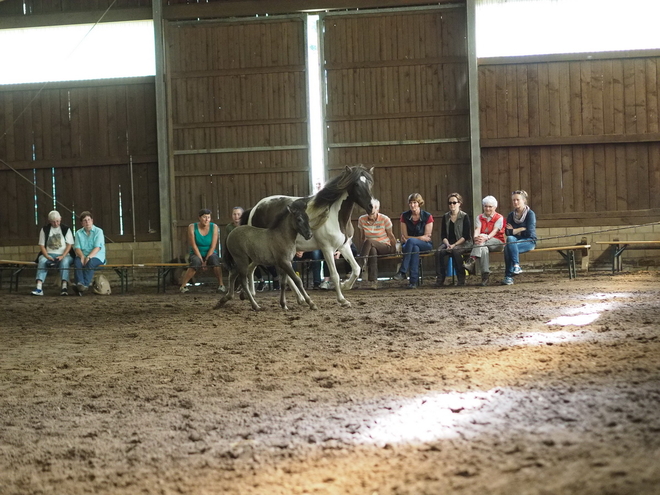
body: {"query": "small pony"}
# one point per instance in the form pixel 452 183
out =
pixel 248 247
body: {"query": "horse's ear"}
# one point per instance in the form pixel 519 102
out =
pixel 348 169
pixel 371 170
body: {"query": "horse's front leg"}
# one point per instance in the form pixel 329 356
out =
pixel 297 285
pixel 283 283
pixel 244 281
pixel 346 252
pixel 294 288
pixel 229 295
pixel 329 254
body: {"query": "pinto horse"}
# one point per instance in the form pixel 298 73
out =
pixel 329 212
pixel 249 246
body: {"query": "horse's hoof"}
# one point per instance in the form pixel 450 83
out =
pixel 313 306
pixel 256 307
pixel 220 304
pixel 345 304
pixel 242 296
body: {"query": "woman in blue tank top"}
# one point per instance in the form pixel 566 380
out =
pixel 203 239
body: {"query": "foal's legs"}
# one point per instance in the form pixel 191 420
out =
pixel 285 269
pixel 229 295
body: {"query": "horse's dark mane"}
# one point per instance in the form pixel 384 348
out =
pixel 334 188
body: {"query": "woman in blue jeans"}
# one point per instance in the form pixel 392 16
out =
pixel 416 230
pixel 520 235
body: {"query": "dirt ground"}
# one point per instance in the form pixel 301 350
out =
pixel 549 386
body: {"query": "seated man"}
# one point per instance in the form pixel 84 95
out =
pixel 55 243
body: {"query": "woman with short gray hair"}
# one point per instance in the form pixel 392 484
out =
pixel 488 236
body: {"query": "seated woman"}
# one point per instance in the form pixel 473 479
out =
pixel 521 235
pixel 89 246
pixel 378 240
pixel 203 240
pixel 456 235
pixel 416 230
pixel 488 236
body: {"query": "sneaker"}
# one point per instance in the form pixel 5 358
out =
pixel 325 285
pixel 64 291
pixel 485 277
pixel 221 288
pixel 470 265
pixel 440 281
pixel 81 288
pixel 516 270
pixel 399 276
pixel 276 285
pixel 374 285
pixel 38 292
pixel 260 285
pixel 183 289
pixel 411 286
pixel 507 281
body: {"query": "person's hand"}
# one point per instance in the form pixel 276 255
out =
pixel 450 247
pixel 337 254
pixel 509 226
pixel 299 254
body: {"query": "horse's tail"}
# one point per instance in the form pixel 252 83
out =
pixel 245 216
pixel 228 260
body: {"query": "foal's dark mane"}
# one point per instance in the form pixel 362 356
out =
pixel 282 215
pixel 337 186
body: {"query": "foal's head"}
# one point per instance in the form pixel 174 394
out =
pixel 298 212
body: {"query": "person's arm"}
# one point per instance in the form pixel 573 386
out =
pixel 467 229
pixel 444 235
pixel 499 225
pixel 42 244
pixel 214 240
pixel 531 224
pixel 428 231
pixel 68 241
pixel 390 236
pixel 404 232
pixel 193 244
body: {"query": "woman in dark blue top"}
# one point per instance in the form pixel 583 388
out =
pixel 416 230
pixel 520 235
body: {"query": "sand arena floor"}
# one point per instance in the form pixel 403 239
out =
pixel 548 386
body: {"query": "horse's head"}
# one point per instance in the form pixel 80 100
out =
pixel 360 189
pixel 298 210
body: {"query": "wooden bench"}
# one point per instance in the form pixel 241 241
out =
pixel 568 253
pixel 618 247
pixel 399 258
pixel 121 269
pixel 163 270
pixel 15 268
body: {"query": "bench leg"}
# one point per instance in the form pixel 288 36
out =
pixel 13 280
pixel 617 265
pixel 123 278
pixel 163 272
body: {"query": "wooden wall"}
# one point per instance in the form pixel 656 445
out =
pixel 581 136
pixel 239 127
pixel 77 138
pixel 398 101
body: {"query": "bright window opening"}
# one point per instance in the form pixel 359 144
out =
pixel 536 27
pixel 77 52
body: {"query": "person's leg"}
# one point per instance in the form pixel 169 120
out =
pixel 88 274
pixel 195 264
pixel 377 249
pixel 521 247
pixel 418 247
pixel 214 261
pixel 457 258
pixel 490 245
pixel 42 271
pixel 65 265
pixel 510 255
pixel 77 263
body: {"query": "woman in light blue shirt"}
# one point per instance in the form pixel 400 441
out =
pixel 90 252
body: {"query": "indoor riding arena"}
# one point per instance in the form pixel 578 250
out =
pixel 548 385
